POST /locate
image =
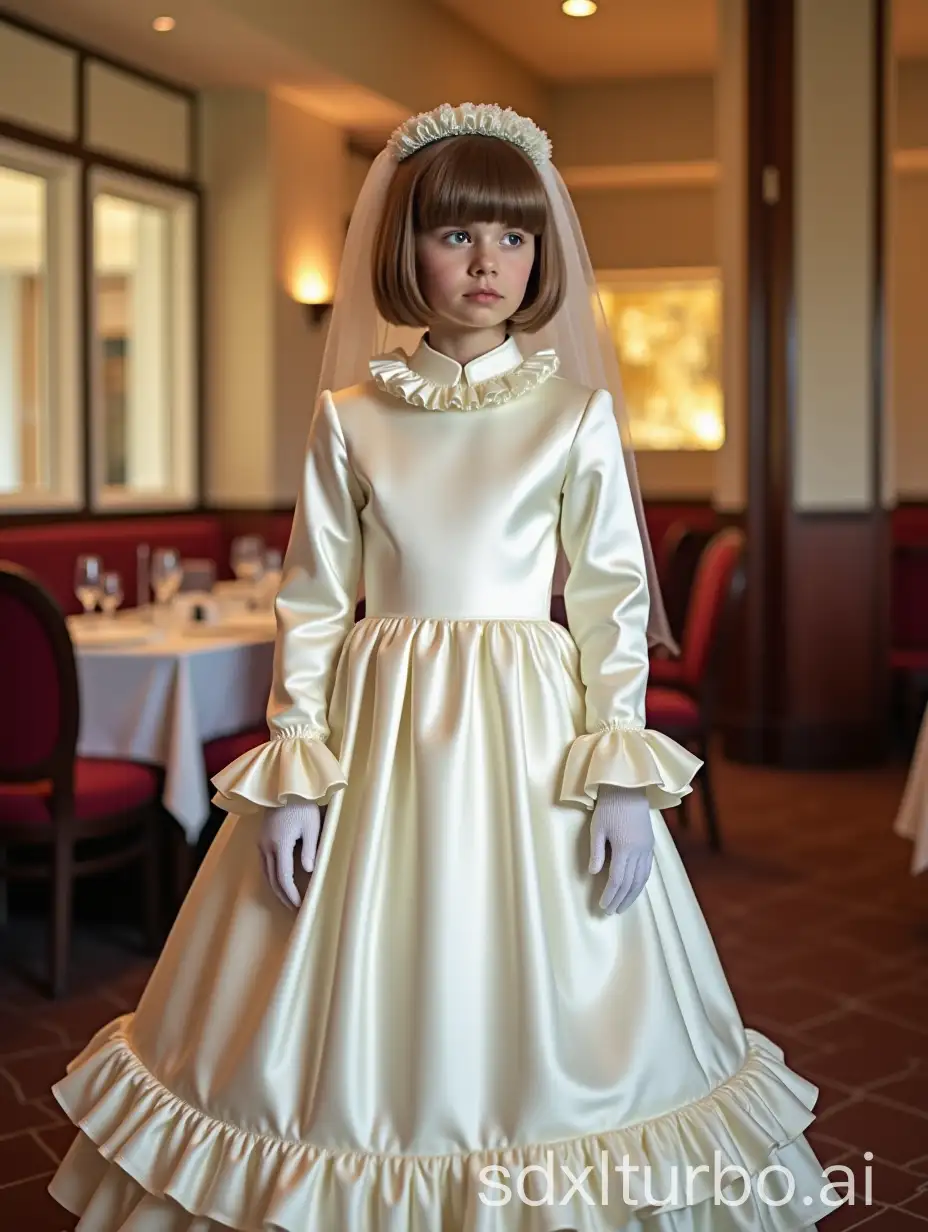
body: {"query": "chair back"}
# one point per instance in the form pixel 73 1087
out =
pixel 718 582
pixel 39 708
pixel 681 552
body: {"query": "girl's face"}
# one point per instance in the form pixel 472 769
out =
pixel 474 277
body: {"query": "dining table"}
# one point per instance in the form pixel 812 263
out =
pixel 155 687
pixel 911 821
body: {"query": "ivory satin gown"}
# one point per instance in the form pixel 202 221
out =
pixel 449 1005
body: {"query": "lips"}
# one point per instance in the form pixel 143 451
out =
pixel 484 297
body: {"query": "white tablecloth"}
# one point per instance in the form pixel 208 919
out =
pixel 160 702
pixel 912 818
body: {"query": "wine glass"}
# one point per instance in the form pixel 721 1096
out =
pixel 167 573
pixel 88 582
pixel 111 593
pixel 247 558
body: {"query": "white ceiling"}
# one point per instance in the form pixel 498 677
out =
pixel 210 47
pixel 625 38
pixel 632 38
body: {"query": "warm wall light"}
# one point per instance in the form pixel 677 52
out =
pixel 163 24
pixel 312 292
pixel 579 8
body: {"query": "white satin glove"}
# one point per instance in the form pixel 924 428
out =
pixel 281 830
pixel 621 817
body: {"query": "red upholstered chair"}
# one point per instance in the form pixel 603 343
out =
pixel 218 753
pixel 50 799
pixel 681 551
pixel 682 694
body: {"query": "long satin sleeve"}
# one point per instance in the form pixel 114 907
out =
pixel 315 611
pixel 606 597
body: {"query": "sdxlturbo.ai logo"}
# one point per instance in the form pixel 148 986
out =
pixel 551 1184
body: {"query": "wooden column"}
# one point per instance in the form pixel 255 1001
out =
pixel 810 689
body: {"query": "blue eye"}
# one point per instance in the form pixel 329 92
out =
pixel 453 236
pixel 519 240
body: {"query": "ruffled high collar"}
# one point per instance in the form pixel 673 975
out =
pixel 436 382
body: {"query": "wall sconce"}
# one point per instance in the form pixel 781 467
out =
pixel 312 293
pixel 316 313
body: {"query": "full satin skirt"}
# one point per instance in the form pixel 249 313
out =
pixel 449 1031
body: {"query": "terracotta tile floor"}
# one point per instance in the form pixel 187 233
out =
pixel 822 930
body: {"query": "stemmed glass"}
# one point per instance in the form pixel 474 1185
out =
pixel 247 558
pixel 88 582
pixel 167 573
pixel 111 593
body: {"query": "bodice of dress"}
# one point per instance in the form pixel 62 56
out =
pixel 461 472
pixel 445 493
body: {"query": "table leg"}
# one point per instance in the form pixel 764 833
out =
pixel 185 865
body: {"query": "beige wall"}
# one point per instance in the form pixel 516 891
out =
pixel 275 180
pixel 832 446
pixel 907 290
pixel 664 124
pixel 309 164
pixel 648 228
pixel 618 123
pixel 908 323
pixel 411 51
pixel 658 128
pixel 240 298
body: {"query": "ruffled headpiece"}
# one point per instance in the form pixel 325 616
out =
pixel 471 119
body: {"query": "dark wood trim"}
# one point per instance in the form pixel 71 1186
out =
pixel 87 154
pixel 15 521
pixel 770 343
pixel 808 686
pixel 804 746
pixel 28 26
pixel 806 516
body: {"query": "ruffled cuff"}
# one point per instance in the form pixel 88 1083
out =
pixel 294 765
pixel 628 757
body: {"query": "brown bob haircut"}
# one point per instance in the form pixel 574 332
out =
pixel 453 183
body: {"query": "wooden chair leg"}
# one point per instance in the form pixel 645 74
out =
pixel 708 798
pixel 62 900
pixel 152 886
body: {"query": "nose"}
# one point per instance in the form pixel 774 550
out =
pixel 483 260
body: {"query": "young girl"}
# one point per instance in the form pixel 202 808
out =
pixel 482 997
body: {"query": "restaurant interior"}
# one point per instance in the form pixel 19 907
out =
pixel 751 177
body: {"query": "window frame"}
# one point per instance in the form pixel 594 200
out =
pixel 73 142
pixel 183 206
pixel 63 317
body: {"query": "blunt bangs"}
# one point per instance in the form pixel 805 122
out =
pixel 480 179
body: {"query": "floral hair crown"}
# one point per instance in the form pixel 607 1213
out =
pixel 470 119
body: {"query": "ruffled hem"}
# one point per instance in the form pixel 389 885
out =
pixel 292 767
pixel 250 1181
pixel 394 376
pixel 628 757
